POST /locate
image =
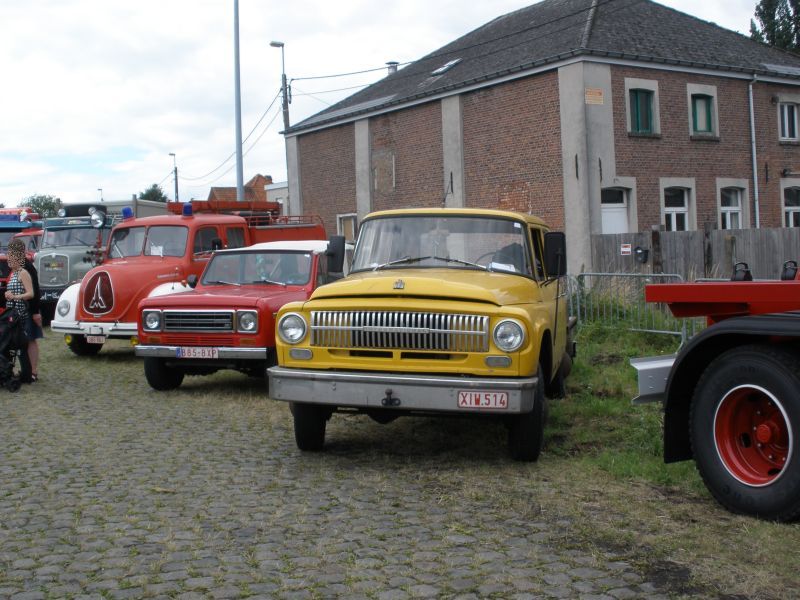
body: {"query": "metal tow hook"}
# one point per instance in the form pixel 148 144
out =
pixel 390 400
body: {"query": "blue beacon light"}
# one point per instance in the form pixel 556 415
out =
pixel 187 209
pixel 127 213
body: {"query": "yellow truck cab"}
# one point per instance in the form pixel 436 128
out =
pixel 445 311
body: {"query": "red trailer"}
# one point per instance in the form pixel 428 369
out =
pixel 731 395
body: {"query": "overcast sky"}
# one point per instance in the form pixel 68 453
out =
pixel 97 93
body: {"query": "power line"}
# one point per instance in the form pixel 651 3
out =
pixel 354 87
pixel 345 74
pixel 222 164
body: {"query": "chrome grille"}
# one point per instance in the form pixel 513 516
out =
pixel 199 320
pixel 400 330
pixel 54 270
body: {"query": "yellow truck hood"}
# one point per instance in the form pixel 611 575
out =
pixel 500 289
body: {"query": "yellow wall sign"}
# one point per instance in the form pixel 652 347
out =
pixel 593 95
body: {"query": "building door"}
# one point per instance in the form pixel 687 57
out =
pixel 614 210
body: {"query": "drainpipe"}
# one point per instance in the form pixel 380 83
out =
pixel 753 151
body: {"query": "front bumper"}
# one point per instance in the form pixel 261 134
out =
pixel 222 353
pixel 424 393
pixel 112 330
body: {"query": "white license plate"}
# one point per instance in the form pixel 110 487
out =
pixel 96 339
pixel 482 400
pixel 197 352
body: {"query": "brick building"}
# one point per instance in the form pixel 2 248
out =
pixel 602 116
pixel 255 190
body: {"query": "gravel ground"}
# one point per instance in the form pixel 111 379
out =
pixel 111 490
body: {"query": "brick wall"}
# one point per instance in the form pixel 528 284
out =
pixel 676 155
pixel 327 173
pixel 512 148
pixel 406 158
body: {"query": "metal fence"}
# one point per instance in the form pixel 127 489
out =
pixel 617 300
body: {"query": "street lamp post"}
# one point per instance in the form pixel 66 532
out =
pixel 284 89
pixel 175 169
pixel 238 105
pixel 101 193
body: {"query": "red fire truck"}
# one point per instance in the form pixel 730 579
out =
pixel 731 395
pixel 154 256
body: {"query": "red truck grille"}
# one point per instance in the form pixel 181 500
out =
pixel 185 339
pixel 198 320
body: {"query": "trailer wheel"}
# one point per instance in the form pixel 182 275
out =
pixel 744 426
pixel 160 376
pixel 309 425
pixel 526 431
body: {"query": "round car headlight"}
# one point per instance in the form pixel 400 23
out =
pixel 63 307
pixel 509 335
pixel 152 320
pixel 292 328
pixel 248 321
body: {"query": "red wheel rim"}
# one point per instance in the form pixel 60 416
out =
pixel 752 435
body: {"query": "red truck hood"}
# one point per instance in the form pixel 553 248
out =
pixel 111 291
pixel 271 297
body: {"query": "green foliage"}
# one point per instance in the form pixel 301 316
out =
pixel 778 23
pixel 45 206
pixel 154 192
pixel 597 423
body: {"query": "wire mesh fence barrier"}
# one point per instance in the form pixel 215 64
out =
pixel 617 300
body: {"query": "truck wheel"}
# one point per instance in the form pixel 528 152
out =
pixel 80 347
pixel 558 387
pixel 744 427
pixel 526 431
pixel 160 376
pixel 309 426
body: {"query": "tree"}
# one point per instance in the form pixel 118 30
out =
pixel 154 192
pixel 778 23
pixel 45 206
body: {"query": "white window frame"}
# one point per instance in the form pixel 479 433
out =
pixel 688 184
pixel 651 85
pixel 341 218
pixel 783 135
pixel 788 210
pixel 744 186
pixel 696 89
pixel 728 214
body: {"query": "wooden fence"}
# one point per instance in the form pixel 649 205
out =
pixel 697 254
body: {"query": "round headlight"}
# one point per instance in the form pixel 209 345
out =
pixel 248 321
pixel 509 335
pixel 152 320
pixel 292 328
pixel 63 307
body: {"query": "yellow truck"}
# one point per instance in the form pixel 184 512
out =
pixel 445 312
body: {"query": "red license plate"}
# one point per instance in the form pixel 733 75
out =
pixel 197 352
pixel 482 400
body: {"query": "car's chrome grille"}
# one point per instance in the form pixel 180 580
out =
pixel 200 320
pixel 400 330
pixel 54 270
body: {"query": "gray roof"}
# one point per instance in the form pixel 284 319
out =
pixel 553 30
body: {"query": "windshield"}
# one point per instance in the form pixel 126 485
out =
pixel 166 240
pixel 5 237
pixel 126 241
pixel 424 241
pixel 243 268
pixel 78 236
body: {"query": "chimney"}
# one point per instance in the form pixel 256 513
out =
pixel 392 65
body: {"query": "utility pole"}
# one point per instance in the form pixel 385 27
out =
pixel 238 102
pixel 175 166
pixel 284 87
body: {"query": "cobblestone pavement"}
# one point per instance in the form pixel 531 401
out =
pixel 110 490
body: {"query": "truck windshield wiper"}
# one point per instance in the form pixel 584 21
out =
pixel 221 282
pixel 400 261
pixel 460 262
pixel 269 281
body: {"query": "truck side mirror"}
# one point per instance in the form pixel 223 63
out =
pixel 555 253
pixel 191 280
pixel 335 254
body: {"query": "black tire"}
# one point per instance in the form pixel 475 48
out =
pixel 80 347
pixel 160 376
pixel 744 427
pixel 309 426
pixel 526 431
pixel 13 384
pixel 558 387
